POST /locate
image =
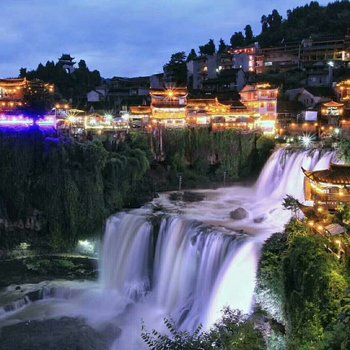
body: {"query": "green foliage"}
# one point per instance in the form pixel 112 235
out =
pixel 296 228
pixel 176 69
pixel 270 287
pixel 70 86
pixel 310 20
pixel 40 265
pixel 237 39
pixel 199 152
pixel 314 285
pixel 74 185
pixel 338 337
pixel 343 213
pixel 222 46
pixel 234 332
pixel 290 203
pixel 37 99
pixel 264 146
pixel 192 55
pixel 344 150
pixel 208 48
pixel 300 280
pixel 249 37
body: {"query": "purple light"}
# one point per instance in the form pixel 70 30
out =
pixel 20 120
pixel 47 121
pixel 15 121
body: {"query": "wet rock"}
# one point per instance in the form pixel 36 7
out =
pixel 35 295
pixel 260 219
pixel 176 196
pixel 238 214
pixel 193 196
pixel 187 196
pixel 56 334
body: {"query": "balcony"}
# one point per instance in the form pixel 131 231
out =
pixel 330 200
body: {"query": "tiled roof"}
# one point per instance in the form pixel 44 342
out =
pixel 336 174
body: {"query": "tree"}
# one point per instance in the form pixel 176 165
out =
pixel 192 55
pixel 237 39
pixel 344 150
pixel 290 203
pixel 222 46
pixel 22 72
pixel 176 69
pixel 249 37
pixel 274 20
pixel 68 86
pixel 208 49
pixel 37 98
pixel 82 65
pixel 264 25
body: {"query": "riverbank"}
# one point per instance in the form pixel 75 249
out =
pixel 34 269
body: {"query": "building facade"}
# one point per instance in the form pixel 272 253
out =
pixel 328 188
pixel 261 99
pixel 11 94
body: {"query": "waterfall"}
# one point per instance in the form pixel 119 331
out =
pixel 186 263
pixel 126 252
pixel 282 173
pixel 183 274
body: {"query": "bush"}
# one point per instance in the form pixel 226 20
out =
pixel 234 332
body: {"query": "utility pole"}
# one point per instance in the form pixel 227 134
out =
pixel 180 182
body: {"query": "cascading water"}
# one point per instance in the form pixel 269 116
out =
pixel 188 265
pixel 283 175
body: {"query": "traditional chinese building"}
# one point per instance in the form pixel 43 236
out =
pixel 343 90
pixel 333 112
pixel 67 62
pixel 139 115
pixel 168 106
pixel 328 188
pixel 198 111
pixel 11 94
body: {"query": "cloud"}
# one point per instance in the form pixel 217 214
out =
pixel 120 37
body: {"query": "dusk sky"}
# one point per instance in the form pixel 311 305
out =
pixel 120 37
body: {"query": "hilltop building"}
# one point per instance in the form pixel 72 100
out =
pixel 319 75
pixel 303 96
pixel 201 69
pixel 248 58
pixel 215 74
pixel 119 94
pixel 67 62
